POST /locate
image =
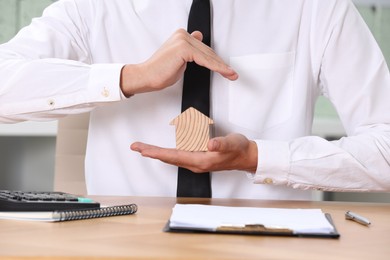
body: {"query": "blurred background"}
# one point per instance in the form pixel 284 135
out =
pixel 28 149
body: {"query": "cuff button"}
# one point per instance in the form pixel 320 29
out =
pixel 105 92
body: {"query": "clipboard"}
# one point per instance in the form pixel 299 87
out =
pixel 255 229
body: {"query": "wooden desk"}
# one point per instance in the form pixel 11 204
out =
pixel 140 236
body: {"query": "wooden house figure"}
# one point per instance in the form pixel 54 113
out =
pixel 192 130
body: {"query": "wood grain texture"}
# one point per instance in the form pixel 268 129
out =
pixel 192 130
pixel 141 236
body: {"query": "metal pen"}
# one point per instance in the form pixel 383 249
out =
pixel 357 218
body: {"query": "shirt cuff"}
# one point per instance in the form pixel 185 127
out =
pixel 104 82
pixel 273 162
pixel 123 97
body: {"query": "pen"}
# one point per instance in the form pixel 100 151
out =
pixel 357 218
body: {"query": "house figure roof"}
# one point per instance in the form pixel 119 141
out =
pixel 192 130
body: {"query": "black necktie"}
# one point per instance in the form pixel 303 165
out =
pixel 196 93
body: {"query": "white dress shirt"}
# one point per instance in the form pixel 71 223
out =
pixel 287 53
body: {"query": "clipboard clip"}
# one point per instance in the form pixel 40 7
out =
pixel 253 229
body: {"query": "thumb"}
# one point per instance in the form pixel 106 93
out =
pixel 197 35
pixel 218 144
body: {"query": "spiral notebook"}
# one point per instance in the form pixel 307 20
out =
pixel 67 215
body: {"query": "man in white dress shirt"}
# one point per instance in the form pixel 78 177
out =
pixel 123 60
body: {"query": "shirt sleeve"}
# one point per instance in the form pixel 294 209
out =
pixel 46 70
pixel 355 78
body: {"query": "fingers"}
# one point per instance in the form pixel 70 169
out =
pixel 155 152
pixel 175 157
pixel 204 56
pixel 138 147
pixel 167 65
pixel 197 35
pixel 146 149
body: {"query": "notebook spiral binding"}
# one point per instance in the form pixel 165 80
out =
pixel 66 215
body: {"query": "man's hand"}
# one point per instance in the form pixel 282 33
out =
pixel 168 64
pixel 233 152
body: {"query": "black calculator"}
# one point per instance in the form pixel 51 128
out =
pixel 11 200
